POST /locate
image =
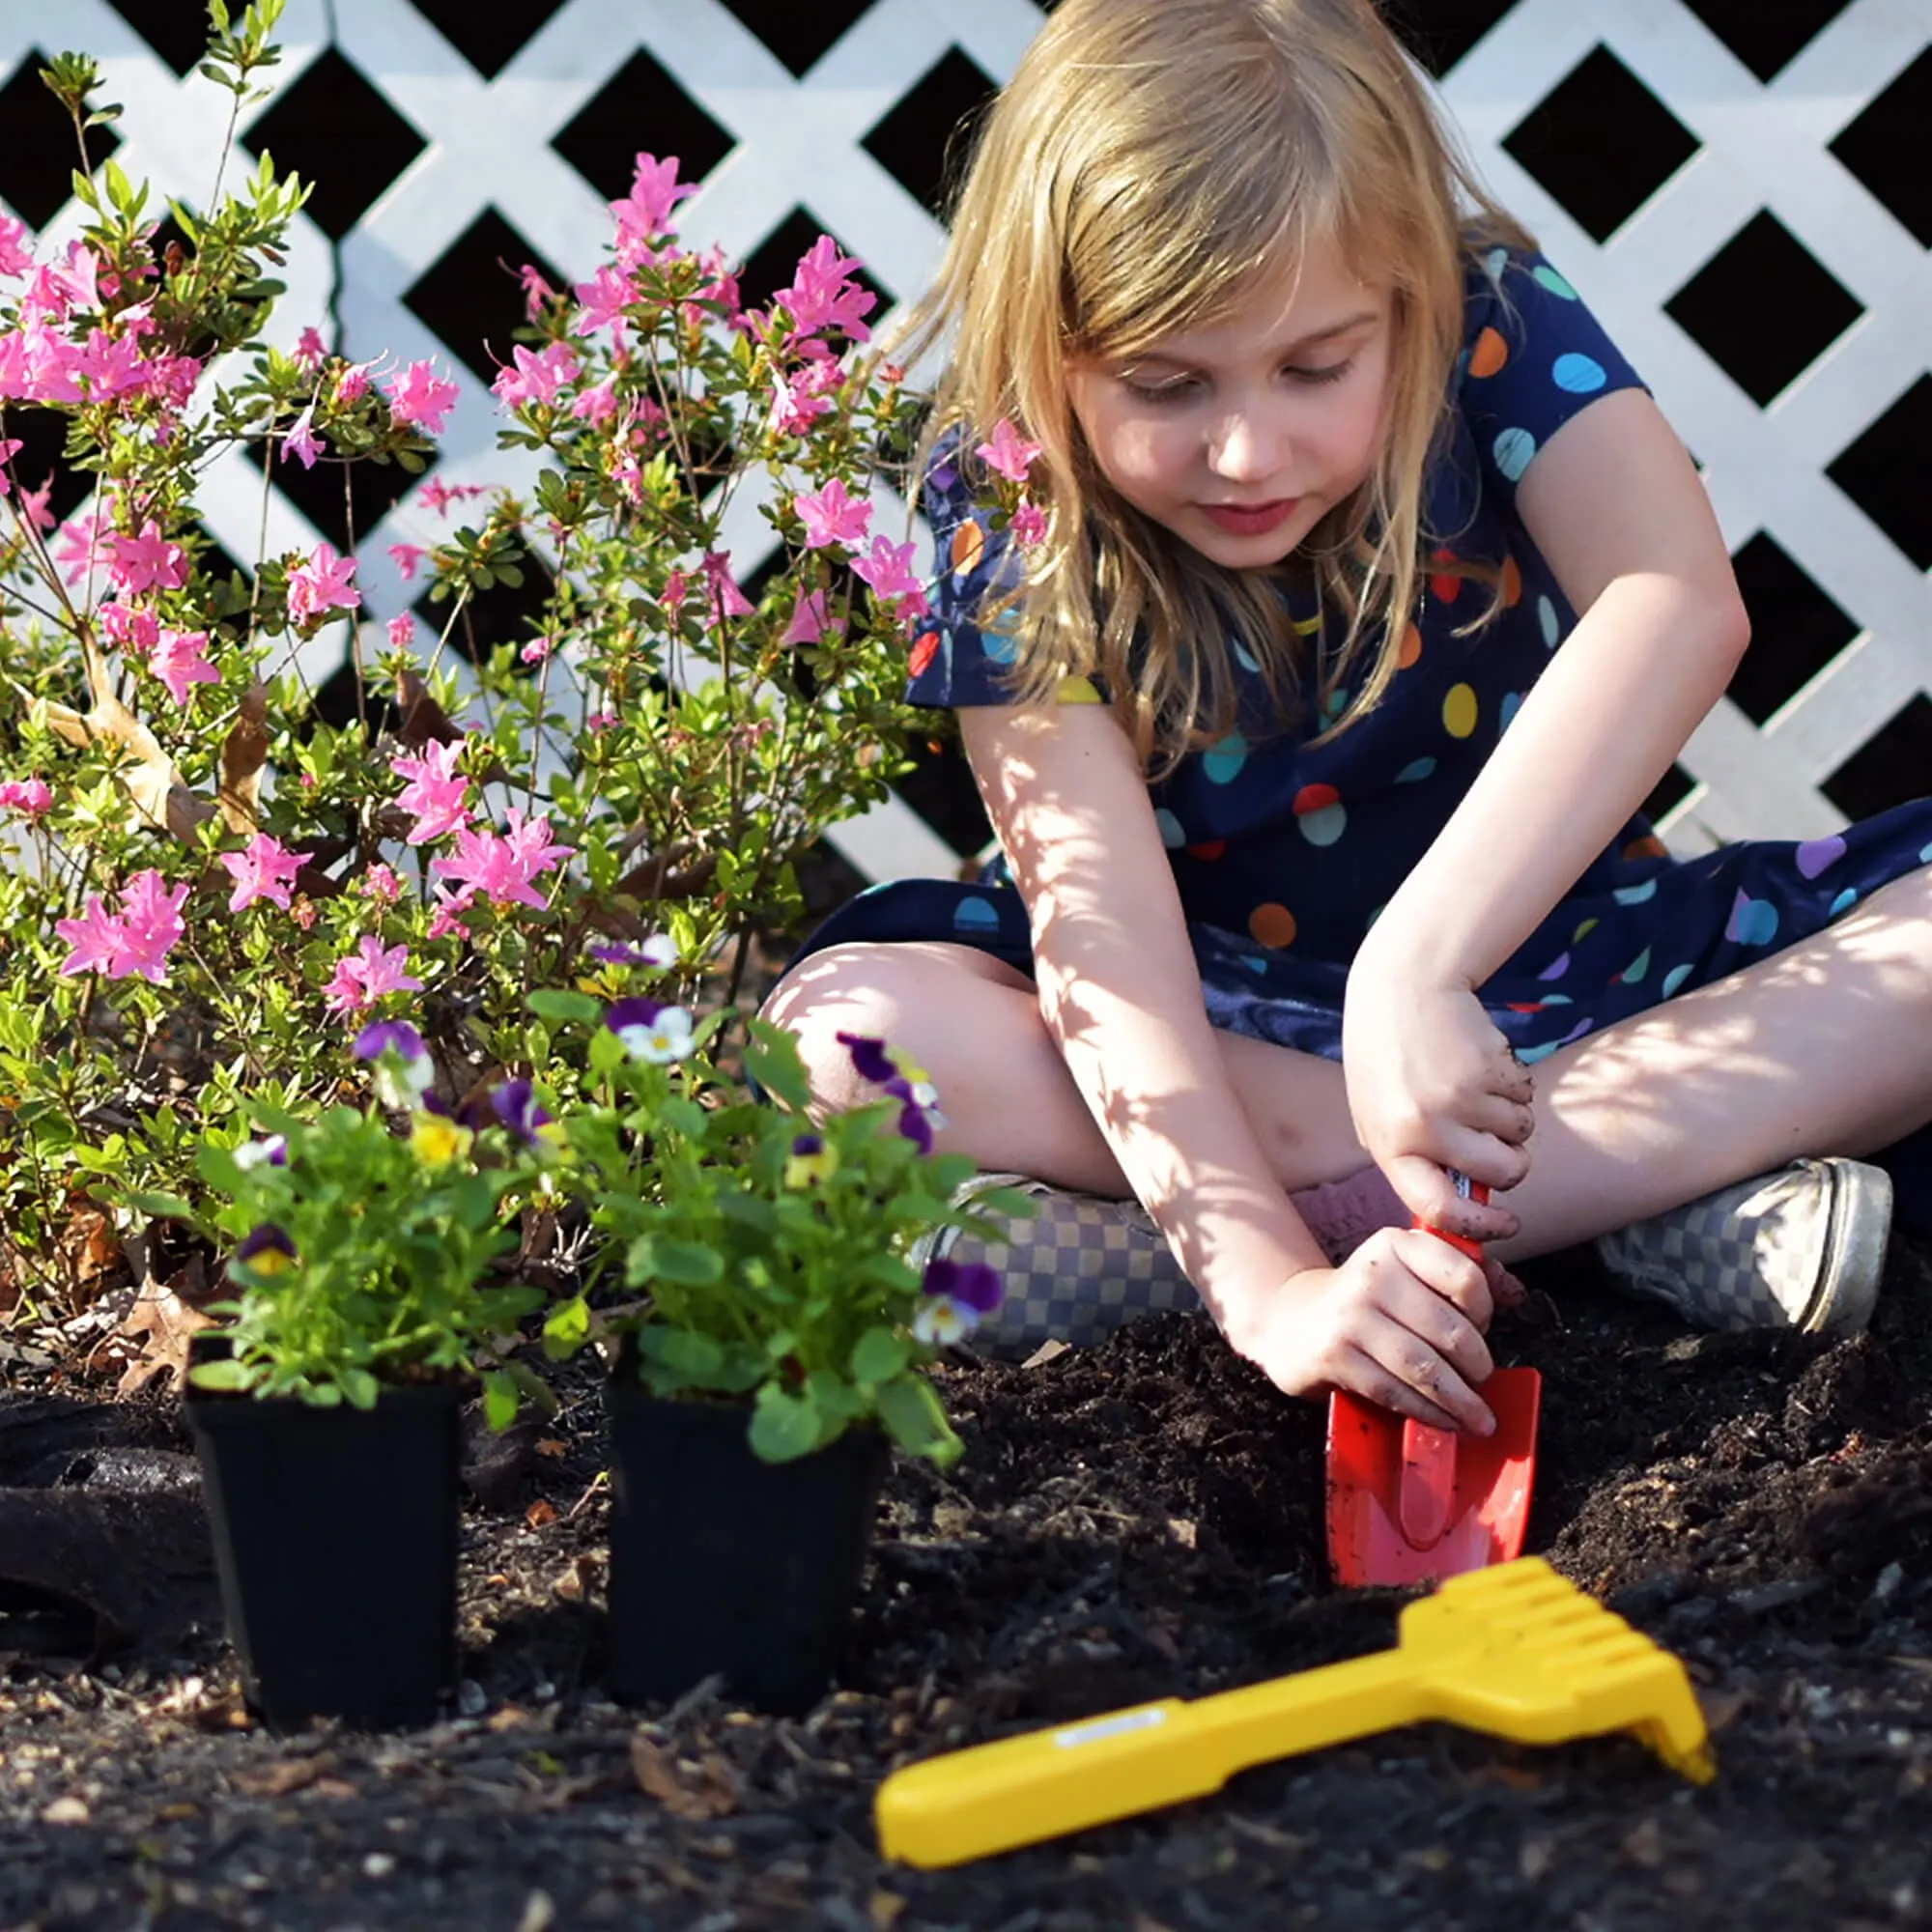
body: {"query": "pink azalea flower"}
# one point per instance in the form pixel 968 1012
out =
pixel 421 399
pixel 34 509
pixel 15 257
pixel 536 651
pixel 799 401
pixel 146 562
pixel 29 797
pixel 264 869
pixel 597 404
pixel 810 620
pixel 352 384
pixel 10 447
pixel 727 599
pixel 80 550
pixel 832 516
pixel 130 627
pixel 180 660
pixel 444 921
pixel 1028 525
pixel 645 212
pixel 380 884
pixel 302 440
pixel 366 976
pixel 111 365
pixel 821 297
pixel 435 796
pixel 1007 451
pixel 310 352
pixel 888 569
pixel 321 583
pixel 536 376
pixel 501 866
pixel 536 290
pixel 402 632
pixel 408 557
pixel 602 302
pixel 94 937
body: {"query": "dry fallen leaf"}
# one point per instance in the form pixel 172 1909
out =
pixel 548 1445
pixel 164 1319
pixel 540 1513
pixel 686 1790
pixel 279 1780
pixel 244 752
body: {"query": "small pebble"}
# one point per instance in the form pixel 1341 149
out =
pixel 379 1865
pixel 66 1811
pixel 472 1699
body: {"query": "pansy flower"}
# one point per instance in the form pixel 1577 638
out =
pixel 266 1251
pixel 959 1296
pixel 438 1140
pixel 514 1104
pixel 812 1160
pixel 403 1071
pixel 651 1031
pixel 270 1150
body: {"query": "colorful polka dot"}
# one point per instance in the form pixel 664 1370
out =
pixel 1675 979
pixel 1844 902
pixel 1245 657
pixel 1818 855
pixel 1272 925
pixel 1550 623
pixel 1925 856
pixel 1222 762
pixel 1444 583
pixel 1753 921
pixel 1324 821
pixel 1635 894
pixel 1489 354
pixel 1512 584
pixel 1581 375
pixel 1460 711
pixel 1585 930
pixel 1635 973
pixel 1506 711
pixel 1556 968
pixel 1306 627
pixel 925 648
pixel 1077 691
pixel 1410 651
pixel 1208 850
pixel 975 915
pixel 1415 772
pixel 1650 846
pixel 1172 834
pixel 969 548
pixel 1000 636
pixel 1554 282
pixel 1494 263
pixel 1333 706
pixel 1513 450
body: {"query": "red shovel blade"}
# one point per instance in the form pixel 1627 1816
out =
pixel 1412 1504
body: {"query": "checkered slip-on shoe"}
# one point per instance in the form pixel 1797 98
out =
pixel 1799 1249
pixel 1079 1268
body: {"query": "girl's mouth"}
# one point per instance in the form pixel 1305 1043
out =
pixel 1253 520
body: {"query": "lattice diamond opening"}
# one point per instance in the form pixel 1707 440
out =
pixel 505 618
pixel 1765 33
pixel 177 32
pixel 1795 629
pixel 1439 33
pixel 1883 472
pixel 44 433
pixel 37 155
pixel 1890 767
pixel 772 264
pixel 472 297
pixel 486 36
pixel 604 140
pixel 303 130
pixel 1884 146
pixel 1763 308
pixel 1668 793
pixel 924 141
pixel 1601 143
pixel 345 501
pixel 800 36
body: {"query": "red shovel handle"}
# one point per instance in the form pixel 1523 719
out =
pixel 1469 1190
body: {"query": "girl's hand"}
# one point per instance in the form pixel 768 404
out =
pixel 1400 1323
pixel 1434 1086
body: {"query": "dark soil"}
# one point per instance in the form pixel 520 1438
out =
pixel 1140 1520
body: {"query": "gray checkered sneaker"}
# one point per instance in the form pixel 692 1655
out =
pixel 1799 1249
pixel 1079 1268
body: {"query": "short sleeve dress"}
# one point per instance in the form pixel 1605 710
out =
pixel 1285 851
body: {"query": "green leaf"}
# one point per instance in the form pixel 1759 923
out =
pixel 878 1355
pixel 683 1261
pixel 783 1427
pixel 697 1358
pixel 501 1395
pixel 360 1387
pixel 227 1375
pixel 160 1206
pixel 773 1060
pixel 916 1422
pixel 557 1003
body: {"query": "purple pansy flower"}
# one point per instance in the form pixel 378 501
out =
pixel 515 1103
pixel 959 1295
pixel 870 1059
pixel 266 1249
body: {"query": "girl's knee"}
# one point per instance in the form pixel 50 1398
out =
pixel 842 989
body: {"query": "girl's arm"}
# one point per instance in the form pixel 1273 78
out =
pixel 1121 994
pixel 1617 509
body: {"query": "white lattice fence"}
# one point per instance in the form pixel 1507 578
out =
pixel 1777 293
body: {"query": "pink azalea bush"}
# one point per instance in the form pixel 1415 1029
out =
pixel 190 854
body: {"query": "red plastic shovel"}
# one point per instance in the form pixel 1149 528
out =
pixel 1412 1504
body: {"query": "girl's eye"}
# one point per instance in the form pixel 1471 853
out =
pixel 1334 373
pixel 1161 392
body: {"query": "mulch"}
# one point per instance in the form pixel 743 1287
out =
pixel 1138 1521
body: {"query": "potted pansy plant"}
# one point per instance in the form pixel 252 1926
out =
pixel 325 1406
pixel 769 1337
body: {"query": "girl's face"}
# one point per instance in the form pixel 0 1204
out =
pixel 1240 437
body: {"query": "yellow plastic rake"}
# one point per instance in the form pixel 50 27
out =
pixel 1514 1650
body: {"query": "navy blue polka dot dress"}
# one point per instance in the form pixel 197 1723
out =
pixel 1285 851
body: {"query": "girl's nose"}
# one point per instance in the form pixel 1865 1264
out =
pixel 1246 447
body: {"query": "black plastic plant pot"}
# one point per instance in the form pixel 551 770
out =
pixel 722 1563
pixel 335 1540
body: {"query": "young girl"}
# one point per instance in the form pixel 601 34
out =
pixel 1373 594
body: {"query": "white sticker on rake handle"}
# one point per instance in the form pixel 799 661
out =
pixel 1110 1727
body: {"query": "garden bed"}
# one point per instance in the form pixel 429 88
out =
pixel 1140 1520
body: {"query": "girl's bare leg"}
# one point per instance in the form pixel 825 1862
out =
pixel 1824 1048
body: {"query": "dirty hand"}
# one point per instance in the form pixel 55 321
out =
pixel 1433 1087
pixel 1400 1323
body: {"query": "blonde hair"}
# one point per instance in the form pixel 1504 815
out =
pixel 1151 162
